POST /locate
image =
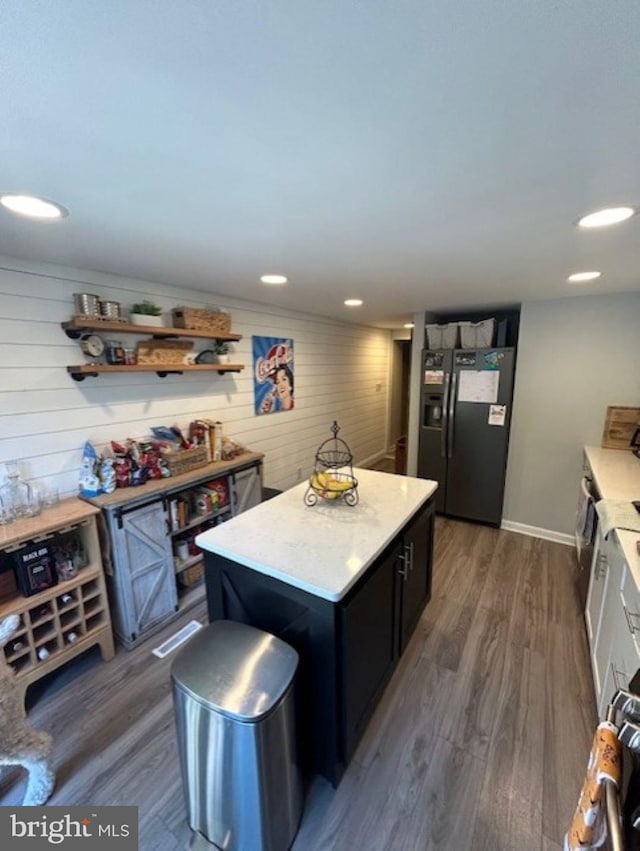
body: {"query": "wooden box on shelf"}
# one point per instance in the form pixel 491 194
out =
pixel 199 319
pixel 68 618
pixel 191 575
pixel 162 352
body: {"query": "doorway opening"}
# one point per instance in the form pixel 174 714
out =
pixel 399 393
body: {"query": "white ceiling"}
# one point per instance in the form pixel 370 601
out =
pixel 418 154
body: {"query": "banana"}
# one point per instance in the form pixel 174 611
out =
pixel 339 484
pixel 328 486
pixel 318 481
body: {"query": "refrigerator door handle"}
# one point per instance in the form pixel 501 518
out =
pixel 445 407
pixel 450 414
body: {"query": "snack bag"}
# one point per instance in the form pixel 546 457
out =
pixel 107 475
pixel 219 486
pixel 89 483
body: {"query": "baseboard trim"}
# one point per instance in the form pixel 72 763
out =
pixel 538 532
pixel 372 459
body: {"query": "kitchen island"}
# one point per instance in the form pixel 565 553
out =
pixel 345 585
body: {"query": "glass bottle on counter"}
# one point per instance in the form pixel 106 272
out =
pixel 6 511
pixel 18 497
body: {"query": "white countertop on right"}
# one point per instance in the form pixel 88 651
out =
pixel 628 544
pixel 616 472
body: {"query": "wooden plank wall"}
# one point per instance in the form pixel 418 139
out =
pixel 341 372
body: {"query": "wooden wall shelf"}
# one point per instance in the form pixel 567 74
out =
pixel 89 370
pixel 75 327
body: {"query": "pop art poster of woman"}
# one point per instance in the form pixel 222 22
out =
pixel 273 382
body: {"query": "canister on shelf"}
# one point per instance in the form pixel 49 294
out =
pixel 110 309
pixel 115 352
pixel 86 304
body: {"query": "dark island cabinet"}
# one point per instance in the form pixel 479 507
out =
pixel 415 572
pixel 348 648
pixel 369 645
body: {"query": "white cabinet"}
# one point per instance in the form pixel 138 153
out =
pixel 599 572
pixel 613 622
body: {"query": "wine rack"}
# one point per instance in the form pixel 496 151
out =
pixel 65 620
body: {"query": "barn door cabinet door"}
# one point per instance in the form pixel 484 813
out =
pixel 143 573
pixel 247 488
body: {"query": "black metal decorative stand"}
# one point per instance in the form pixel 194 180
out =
pixel 332 477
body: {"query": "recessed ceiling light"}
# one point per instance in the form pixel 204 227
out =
pixel 607 216
pixel 353 302
pixel 273 279
pixel 409 325
pixel 579 277
pixel 32 206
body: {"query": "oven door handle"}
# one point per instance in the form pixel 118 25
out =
pixel 585 482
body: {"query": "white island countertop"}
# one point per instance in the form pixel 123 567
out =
pixel 323 549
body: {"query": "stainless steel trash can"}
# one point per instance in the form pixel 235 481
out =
pixel 233 698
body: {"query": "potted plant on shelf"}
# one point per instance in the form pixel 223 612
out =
pixel 146 313
pixel 221 351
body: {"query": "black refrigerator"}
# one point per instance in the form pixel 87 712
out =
pixel 465 415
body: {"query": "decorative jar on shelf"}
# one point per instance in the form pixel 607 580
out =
pixel 18 497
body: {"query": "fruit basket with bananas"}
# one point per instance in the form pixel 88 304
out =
pixel 332 476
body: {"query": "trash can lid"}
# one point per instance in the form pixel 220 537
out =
pixel 235 669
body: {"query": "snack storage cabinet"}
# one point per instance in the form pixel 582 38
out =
pixel 65 620
pixel 141 537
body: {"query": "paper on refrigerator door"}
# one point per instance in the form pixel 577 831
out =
pixel 434 376
pixel 497 414
pixel 478 385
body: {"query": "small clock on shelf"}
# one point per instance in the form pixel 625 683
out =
pixel 92 345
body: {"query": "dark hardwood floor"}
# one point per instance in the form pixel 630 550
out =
pixel 480 740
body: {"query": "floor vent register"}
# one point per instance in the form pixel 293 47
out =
pixel 173 642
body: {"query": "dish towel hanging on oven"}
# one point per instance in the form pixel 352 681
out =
pixel 588 828
pixel 587 520
pixel 617 514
